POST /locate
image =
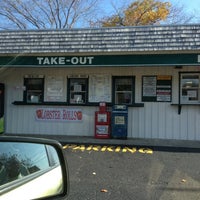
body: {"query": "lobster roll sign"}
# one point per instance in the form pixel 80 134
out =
pixel 58 114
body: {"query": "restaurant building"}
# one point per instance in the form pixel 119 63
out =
pixel 52 81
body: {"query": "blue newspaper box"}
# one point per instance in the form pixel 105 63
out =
pixel 119 121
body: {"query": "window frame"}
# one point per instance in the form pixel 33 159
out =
pixel 132 91
pixel 189 88
pixel 25 94
pixel 69 91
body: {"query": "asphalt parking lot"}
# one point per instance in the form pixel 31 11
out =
pixel 145 169
pixel 101 172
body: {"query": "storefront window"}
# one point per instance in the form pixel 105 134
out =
pixel 78 89
pixel 34 90
pixel 123 90
pixel 190 88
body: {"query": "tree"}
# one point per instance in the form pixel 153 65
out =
pixel 140 12
pixel 43 14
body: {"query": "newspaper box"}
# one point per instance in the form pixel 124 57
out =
pixel 102 122
pixel 119 121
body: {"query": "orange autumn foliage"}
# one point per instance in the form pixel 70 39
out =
pixel 140 12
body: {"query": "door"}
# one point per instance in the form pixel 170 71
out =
pixel 2 87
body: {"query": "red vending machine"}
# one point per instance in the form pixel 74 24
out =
pixel 102 122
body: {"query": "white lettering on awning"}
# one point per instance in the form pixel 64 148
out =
pixel 83 60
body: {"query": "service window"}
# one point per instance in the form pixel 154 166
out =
pixel 189 88
pixel 123 90
pixel 78 90
pixel 34 89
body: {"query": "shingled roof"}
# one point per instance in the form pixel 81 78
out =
pixel 102 40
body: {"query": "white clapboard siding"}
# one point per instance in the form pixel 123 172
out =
pixel 154 120
pixel 163 121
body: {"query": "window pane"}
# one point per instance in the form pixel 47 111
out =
pixel 78 90
pixel 123 85
pixel 123 98
pixel 34 97
pixel 190 88
pixel 123 90
pixel 34 90
pixel 34 84
pixel 190 81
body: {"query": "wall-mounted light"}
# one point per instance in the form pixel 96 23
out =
pixel 178 67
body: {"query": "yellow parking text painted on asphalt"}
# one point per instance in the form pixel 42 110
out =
pixel 116 149
pixel 145 150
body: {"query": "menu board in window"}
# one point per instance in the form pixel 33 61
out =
pixel 157 88
pixel 54 88
pixel 100 88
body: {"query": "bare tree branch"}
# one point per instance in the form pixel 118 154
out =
pixel 179 15
pixel 42 14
